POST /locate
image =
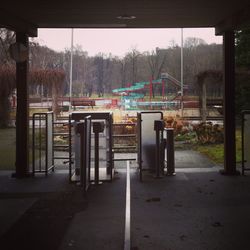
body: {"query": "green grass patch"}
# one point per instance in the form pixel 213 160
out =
pixel 7 148
pixel 238 146
pixel 212 151
pixel 216 151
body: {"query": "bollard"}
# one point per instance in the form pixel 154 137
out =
pixel 98 127
pixel 158 127
pixel 170 152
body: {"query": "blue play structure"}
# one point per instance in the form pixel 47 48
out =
pixel 132 97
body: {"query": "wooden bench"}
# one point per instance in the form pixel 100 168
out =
pixel 83 103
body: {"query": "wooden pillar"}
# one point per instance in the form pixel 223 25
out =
pixel 22 113
pixel 229 104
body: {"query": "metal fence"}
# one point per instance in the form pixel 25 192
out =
pixel 245 141
pixel 42 143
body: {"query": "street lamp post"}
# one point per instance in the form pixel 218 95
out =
pixel 181 72
pixel 71 68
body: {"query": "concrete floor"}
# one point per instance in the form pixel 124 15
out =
pixel 196 209
pixel 193 210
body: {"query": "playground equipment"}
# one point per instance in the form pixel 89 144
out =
pixel 131 92
pixel 132 98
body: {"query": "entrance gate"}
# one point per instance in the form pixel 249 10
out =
pixel 42 143
pixel 155 144
pixel 91 145
pixel 104 153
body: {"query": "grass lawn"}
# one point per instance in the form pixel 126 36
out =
pixel 7 148
pixel 216 151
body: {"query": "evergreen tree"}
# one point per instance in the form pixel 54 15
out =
pixel 242 57
pixel 242 42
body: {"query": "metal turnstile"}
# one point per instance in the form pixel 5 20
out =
pixel 42 143
pixel 104 154
pixel 147 140
pixel 79 170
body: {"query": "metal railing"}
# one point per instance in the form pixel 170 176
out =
pixel 124 141
pixel 245 118
pixel 42 143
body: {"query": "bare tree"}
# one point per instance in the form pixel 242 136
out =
pixel 122 71
pixel 99 64
pixel 7 37
pixel 132 58
pixel 156 60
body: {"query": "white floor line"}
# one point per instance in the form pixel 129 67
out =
pixel 127 211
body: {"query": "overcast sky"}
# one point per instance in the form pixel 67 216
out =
pixel 120 41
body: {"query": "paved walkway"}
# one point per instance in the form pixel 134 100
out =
pixel 196 209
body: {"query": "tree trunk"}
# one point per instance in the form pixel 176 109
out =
pixel 55 107
pixel 204 102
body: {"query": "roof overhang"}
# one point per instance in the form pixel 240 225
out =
pixel 27 16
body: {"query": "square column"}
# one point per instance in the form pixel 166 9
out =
pixel 22 113
pixel 229 103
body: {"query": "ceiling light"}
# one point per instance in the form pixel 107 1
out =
pixel 103 25
pixel 126 17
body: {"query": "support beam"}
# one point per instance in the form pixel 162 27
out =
pixel 22 114
pixel 12 22
pixel 229 104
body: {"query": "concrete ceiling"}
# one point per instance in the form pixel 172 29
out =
pixel 29 15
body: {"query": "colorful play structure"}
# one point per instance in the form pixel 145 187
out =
pixel 132 96
pixel 132 91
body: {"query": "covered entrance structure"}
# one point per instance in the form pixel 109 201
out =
pixel 25 17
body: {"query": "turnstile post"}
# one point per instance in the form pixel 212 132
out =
pixel 98 127
pixel 158 127
pixel 170 152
